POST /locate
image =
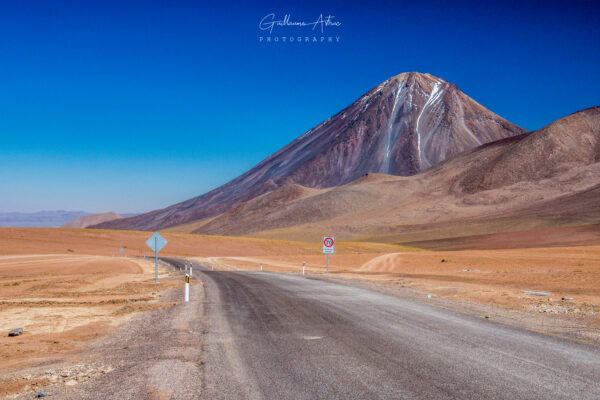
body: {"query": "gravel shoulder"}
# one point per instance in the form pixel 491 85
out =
pixel 581 328
pixel 155 355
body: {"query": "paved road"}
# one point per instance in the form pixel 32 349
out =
pixel 276 336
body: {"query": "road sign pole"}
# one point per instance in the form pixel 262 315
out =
pixel 156 242
pixel 303 265
pixel 327 263
pixel 155 261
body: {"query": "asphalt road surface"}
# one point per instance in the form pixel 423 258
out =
pixel 276 336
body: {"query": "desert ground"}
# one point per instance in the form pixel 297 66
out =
pixel 69 288
pixel 571 275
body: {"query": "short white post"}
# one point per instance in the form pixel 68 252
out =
pixel 303 264
pixel 187 287
pixel 261 267
pixel 212 267
pixel 190 270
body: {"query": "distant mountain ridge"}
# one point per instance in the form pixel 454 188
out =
pixel 403 126
pixel 42 219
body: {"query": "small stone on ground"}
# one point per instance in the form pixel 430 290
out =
pixel 15 332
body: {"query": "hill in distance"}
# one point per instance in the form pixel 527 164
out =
pixel 404 126
pixel 91 219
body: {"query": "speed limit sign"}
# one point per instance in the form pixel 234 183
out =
pixel 328 245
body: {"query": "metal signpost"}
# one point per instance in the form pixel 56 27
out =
pixel 328 247
pixel 156 242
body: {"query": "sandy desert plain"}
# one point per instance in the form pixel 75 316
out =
pixel 70 288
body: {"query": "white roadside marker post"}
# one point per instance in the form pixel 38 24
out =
pixel 190 270
pixel 303 265
pixel 260 267
pixel 187 287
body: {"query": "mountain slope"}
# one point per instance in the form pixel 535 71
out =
pixel 401 127
pixel 546 178
pixel 93 219
pixel 567 143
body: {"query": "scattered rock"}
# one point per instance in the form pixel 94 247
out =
pixel 444 260
pixel 567 298
pixel 487 317
pixel 536 293
pixel 15 332
pixel 41 393
pixel 65 374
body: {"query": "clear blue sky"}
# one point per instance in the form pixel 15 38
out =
pixel 133 106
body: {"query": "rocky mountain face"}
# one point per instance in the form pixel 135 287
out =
pixel 404 126
pixel 543 179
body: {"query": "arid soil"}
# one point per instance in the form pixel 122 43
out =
pixel 64 301
pixel 496 277
pixel 69 288
pixel 56 298
pixel 29 241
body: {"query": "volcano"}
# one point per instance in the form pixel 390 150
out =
pixel 405 125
